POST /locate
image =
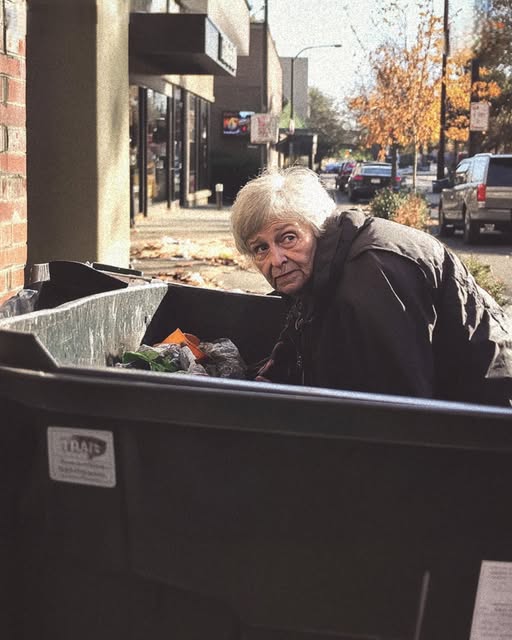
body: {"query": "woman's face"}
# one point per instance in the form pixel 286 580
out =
pixel 283 251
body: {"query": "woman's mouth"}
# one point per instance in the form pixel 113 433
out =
pixel 283 277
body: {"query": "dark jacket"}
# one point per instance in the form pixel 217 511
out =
pixel 389 309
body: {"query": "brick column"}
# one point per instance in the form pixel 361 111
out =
pixel 13 194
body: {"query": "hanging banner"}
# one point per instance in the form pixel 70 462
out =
pixel 264 128
pixel 479 116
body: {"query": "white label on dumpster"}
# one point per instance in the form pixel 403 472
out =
pixel 492 616
pixel 81 456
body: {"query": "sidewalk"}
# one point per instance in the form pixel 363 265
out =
pixel 193 246
pixel 424 180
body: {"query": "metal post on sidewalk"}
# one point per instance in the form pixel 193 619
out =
pixel 219 192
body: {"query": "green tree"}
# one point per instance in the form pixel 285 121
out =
pixel 459 89
pixel 498 138
pixel 326 120
pixel 284 118
pixel 493 50
pixel 494 45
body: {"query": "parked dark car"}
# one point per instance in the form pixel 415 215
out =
pixel 479 194
pixel 343 174
pixel 368 177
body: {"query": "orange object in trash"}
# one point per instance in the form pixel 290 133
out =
pixel 192 342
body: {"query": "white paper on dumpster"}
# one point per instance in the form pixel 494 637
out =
pixel 492 615
pixel 81 456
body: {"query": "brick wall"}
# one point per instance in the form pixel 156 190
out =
pixel 13 174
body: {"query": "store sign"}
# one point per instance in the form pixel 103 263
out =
pixel 479 116
pixel 211 40
pixel 227 52
pixel 264 128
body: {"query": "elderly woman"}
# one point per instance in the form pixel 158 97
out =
pixel 374 305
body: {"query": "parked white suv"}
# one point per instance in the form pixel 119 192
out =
pixel 481 194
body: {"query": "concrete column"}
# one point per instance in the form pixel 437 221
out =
pixel 77 131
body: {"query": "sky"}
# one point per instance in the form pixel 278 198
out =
pixel 355 24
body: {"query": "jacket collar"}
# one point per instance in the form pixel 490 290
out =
pixel 333 247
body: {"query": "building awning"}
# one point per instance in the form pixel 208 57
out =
pixel 304 143
pixel 180 43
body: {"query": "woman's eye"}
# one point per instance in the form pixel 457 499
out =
pixel 259 249
pixel 288 238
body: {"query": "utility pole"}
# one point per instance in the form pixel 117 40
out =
pixel 264 87
pixel 475 137
pixel 291 127
pixel 442 119
pixel 264 93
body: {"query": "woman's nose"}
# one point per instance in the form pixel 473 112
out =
pixel 277 256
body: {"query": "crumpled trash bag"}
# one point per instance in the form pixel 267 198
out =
pixel 222 359
pixel 23 302
pixel 225 359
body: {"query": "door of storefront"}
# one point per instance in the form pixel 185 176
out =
pixel 156 149
pixel 135 150
pixel 176 191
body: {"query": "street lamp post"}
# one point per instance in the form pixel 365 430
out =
pixel 291 127
pixel 442 115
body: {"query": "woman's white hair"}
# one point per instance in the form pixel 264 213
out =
pixel 294 194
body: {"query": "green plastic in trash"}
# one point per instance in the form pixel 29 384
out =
pixel 151 360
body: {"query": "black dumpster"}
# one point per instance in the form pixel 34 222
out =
pixel 147 505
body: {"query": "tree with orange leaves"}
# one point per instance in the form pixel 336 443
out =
pixel 494 45
pixel 459 92
pixel 398 109
pixel 494 51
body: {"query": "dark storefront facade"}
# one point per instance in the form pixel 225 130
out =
pixel 173 59
pixel 256 88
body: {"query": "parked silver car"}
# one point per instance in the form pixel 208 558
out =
pixel 480 194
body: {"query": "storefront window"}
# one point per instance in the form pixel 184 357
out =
pixel 158 147
pixel 177 142
pixel 204 119
pixel 192 140
pixel 198 129
pixel 159 126
pixel 134 153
